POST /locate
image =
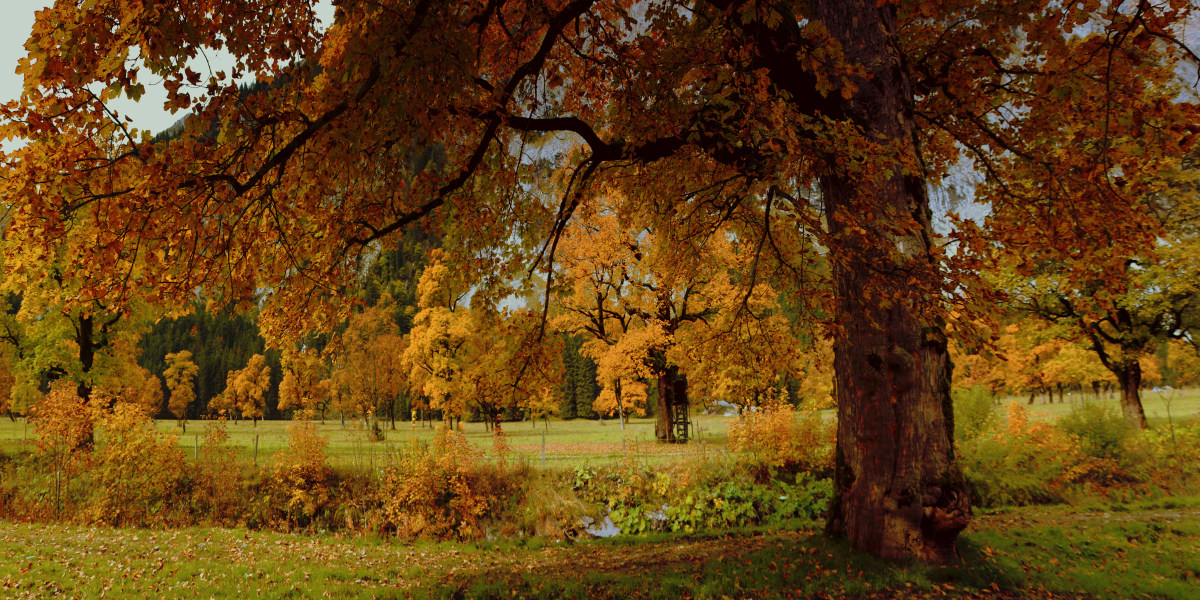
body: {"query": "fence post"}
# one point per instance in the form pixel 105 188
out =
pixel 543 447
pixel 196 446
pixel 256 449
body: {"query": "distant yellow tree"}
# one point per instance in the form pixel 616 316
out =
pixel 683 316
pixel 475 358
pixel 245 389
pixel 368 376
pixel 150 395
pixel 1183 363
pixel 181 383
pixel 303 386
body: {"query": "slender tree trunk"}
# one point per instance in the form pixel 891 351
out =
pixel 620 404
pixel 898 491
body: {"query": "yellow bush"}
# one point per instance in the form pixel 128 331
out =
pixel 63 425
pixel 443 492
pixel 301 482
pixel 137 474
pixel 777 437
pixel 217 488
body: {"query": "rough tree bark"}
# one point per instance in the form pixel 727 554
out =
pixel 663 426
pixel 898 490
pixel 1129 377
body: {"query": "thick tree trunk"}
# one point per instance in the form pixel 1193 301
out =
pixel 898 490
pixel 664 429
pixel 1129 376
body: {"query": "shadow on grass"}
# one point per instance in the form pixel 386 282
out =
pixel 1089 556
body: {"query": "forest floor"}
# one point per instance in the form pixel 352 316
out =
pixel 1149 550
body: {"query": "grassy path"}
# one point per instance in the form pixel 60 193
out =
pixel 1145 552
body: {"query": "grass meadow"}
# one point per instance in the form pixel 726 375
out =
pixel 566 443
pixel 1113 552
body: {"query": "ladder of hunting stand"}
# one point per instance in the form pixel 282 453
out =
pixel 679 411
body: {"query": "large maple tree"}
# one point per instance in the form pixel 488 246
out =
pixel 686 315
pixel 824 120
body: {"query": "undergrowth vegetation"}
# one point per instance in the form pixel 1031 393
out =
pixel 1086 455
pixel 113 467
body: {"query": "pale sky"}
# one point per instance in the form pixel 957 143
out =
pixel 16 20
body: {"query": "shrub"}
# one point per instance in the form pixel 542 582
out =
pixel 547 507
pixel 1167 459
pixel 778 438
pixel 63 425
pixel 136 473
pixel 500 446
pixel 301 485
pixel 1019 463
pixel 731 503
pixel 1099 428
pixel 974 412
pixel 692 495
pixel 444 491
pixel 218 478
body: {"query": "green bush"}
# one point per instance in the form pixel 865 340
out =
pixel 1100 429
pixel 1018 462
pixel 1167 458
pixel 693 496
pixel 974 412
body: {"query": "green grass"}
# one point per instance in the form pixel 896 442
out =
pixel 1184 404
pixel 567 443
pixel 1142 551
